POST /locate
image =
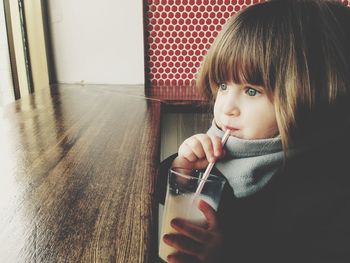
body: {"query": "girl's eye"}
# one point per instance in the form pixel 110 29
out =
pixel 251 92
pixel 222 86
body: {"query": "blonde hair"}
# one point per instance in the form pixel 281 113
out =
pixel 299 51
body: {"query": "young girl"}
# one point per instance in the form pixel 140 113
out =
pixel 279 73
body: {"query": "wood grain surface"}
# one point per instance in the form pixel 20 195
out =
pixel 78 171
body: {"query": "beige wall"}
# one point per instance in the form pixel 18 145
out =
pixel 97 41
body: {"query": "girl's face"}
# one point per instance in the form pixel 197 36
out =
pixel 246 110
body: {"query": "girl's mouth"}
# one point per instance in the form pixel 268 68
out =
pixel 230 128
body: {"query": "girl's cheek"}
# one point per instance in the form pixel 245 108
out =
pixel 217 118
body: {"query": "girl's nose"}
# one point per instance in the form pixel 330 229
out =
pixel 230 106
pixel 234 111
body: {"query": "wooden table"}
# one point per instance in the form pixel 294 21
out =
pixel 78 171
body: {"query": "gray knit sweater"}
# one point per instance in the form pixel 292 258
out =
pixel 249 164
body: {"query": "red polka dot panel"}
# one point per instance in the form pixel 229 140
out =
pixel 180 32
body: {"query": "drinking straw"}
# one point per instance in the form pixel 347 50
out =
pixel 210 166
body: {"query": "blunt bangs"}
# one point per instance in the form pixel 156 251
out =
pixel 254 47
pixel 244 52
pixel 241 60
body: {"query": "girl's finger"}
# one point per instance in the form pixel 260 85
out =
pixel 207 146
pixel 201 164
pixel 195 146
pixel 217 146
pixel 190 230
pixel 183 244
pixel 186 152
pixel 183 163
pixel 189 161
pixel 209 213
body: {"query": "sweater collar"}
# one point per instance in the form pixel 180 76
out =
pixel 241 148
pixel 249 164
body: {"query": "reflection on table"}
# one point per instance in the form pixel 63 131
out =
pixel 78 170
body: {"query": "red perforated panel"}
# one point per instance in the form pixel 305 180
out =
pixel 179 34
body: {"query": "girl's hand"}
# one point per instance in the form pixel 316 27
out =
pixel 197 151
pixel 195 243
